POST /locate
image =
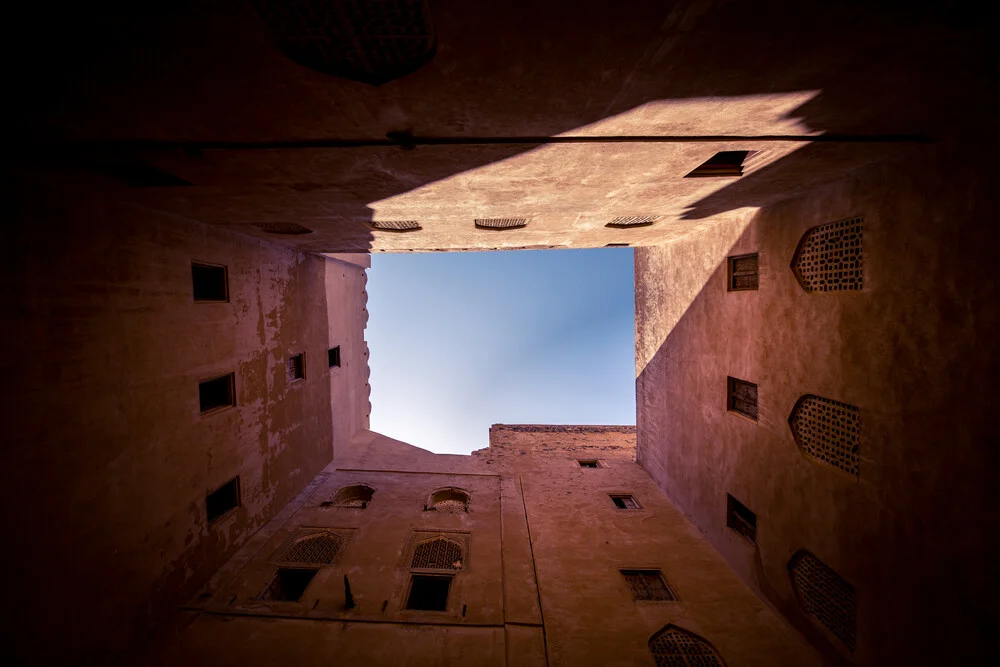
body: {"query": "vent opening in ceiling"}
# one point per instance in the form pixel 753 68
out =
pixel 371 41
pixel 633 221
pixel 283 228
pixel 395 225
pixel 501 223
pixel 138 175
pixel 725 163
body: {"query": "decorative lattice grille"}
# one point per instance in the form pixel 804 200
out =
pixel 743 273
pixel 743 397
pixel 285 228
pixel 825 596
pixel 372 41
pixel 500 223
pixel 352 496
pixel 439 554
pixel 319 549
pixel 633 221
pixel 648 585
pixel 674 647
pixel 829 431
pixel 830 257
pixel 450 506
pixel 396 225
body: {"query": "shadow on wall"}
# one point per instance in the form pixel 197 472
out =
pixel 154 86
pixel 913 351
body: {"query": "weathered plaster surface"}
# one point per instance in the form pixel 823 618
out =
pixel 540 583
pixel 915 351
pixel 106 459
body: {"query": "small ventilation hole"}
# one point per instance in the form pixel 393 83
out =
pixel 318 549
pixel 500 223
pixel 830 258
pixel 825 596
pixel 283 228
pixel 396 225
pixel 633 221
pixel 829 431
pixel 675 647
pixel 439 554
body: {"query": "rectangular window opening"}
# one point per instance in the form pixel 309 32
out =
pixel 217 393
pixel 289 584
pixel 223 499
pixel 648 585
pixel 625 502
pixel 428 592
pixel 743 273
pixel 589 464
pixel 297 367
pixel 724 163
pixel 740 518
pixel 334 356
pixel 742 397
pixel 210 283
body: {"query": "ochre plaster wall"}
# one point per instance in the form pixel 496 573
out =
pixel 106 459
pixel 580 541
pixel 539 585
pixel 915 351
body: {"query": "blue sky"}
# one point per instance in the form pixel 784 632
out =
pixel 460 341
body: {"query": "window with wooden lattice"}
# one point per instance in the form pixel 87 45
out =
pixel 648 585
pixel 828 431
pixel 676 647
pixel 357 496
pixel 825 596
pixel 448 500
pixel 830 257
pixel 743 273
pixel 742 397
pixel 320 548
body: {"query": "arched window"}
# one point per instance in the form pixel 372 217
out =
pixel 675 647
pixel 358 495
pixel 448 500
pixel 826 596
pixel 437 554
pixel 828 431
pixel 317 549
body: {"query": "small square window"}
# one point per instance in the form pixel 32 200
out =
pixel 742 397
pixel 648 585
pixel 743 273
pixel 217 393
pixel 210 283
pixel 589 464
pixel 334 356
pixel 297 367
pixel 428 592
pixel 740 518
pixel 289 584
pixel 223 499
pixel 625 502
